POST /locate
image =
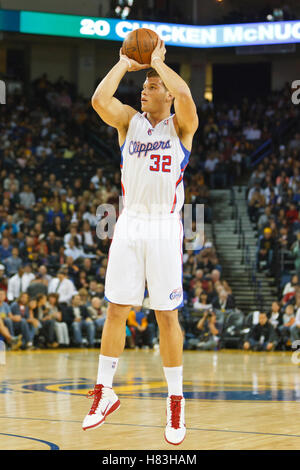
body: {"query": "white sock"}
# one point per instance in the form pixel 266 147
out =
pixel 174 380
pixel 106 370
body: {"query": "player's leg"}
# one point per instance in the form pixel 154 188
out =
pixel 113 334
pixel 124 286
pixel 164 280
pixel 112 345
pixel 171 347
pixel 170 337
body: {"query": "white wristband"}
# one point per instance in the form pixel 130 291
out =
pixel 155 58
pixel 127 60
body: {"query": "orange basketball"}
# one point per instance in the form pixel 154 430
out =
pixel 139 45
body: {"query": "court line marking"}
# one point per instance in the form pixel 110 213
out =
pixel 50 444
pixel 155 426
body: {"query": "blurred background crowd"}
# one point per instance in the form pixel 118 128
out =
pixel 59 162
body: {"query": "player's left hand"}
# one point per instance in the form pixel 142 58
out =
pixel 133 65
pixel 159 52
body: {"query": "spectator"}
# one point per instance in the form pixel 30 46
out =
pixel 137 322
pixel 288 322
pixel 27 197
pixel 295 328
pixel 265 250
pixel 71 235
pixel 224 301
pixel 61 328
pixel 23 321
pixel 216 279
pixel 289 288
pixel 296 254
pixel 53 244
pixel 3 278
pixel 62 286
pixel 208 332
pixel 13 262
pixel 16 285
pixel 5 313
pixel 37 286
pixel 44 276
pixel 96 313
pixel 46 322
pixel 79 320
pixel 5 249
pixel 261 337
pixel 88 239
pixel 13 342
pixel 73 250
pixel 84 297
pixel 275 317
pixel 201 302
pixel 256 205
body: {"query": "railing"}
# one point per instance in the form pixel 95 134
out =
pixel 247 259
pixel 267 147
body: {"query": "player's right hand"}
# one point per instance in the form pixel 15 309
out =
pixel 133 66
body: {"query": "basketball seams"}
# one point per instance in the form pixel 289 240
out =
pixel 150 36
pixel 137 43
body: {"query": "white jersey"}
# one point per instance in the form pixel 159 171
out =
pixel 152 165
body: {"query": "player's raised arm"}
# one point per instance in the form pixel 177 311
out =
pixel 185 108
pixel 109 108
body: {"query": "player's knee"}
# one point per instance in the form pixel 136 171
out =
pixel 167 319
pixel 116 312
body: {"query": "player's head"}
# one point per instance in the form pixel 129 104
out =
pixel 155 95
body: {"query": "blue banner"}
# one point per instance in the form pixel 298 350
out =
pixel 249 34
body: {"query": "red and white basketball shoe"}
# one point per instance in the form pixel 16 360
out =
pixel 175 429
pixel 105 402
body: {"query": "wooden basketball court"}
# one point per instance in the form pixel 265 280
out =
pixel 234 400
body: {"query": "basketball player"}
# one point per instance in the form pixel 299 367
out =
pixel 155 149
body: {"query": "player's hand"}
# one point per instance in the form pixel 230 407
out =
pixel 132 65
pixel 159 52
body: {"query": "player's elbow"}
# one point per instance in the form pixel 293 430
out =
pixel 99 101
pixel 183 93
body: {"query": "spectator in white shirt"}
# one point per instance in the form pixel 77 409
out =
pixel 290 286
pixel 28 276
pixel 73 233
pixel 87 237
pixel 19 282
pixel 62 286
pixel 98 178
pixel 73 250
pixel 211 163
pixel 27 197
pixel 251 132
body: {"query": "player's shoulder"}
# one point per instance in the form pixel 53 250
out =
pixel 131 112
pixel 186 138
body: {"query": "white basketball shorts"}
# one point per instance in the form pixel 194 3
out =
pixel 146 248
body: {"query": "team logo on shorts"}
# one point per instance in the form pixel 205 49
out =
pixel 176 293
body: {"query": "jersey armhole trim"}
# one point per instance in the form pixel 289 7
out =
pixel 186 153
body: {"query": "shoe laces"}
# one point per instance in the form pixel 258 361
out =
pixel 175 406
pixel 97 394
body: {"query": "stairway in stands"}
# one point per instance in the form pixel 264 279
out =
pixel 252 291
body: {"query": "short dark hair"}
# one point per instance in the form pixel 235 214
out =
pixel 153 73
